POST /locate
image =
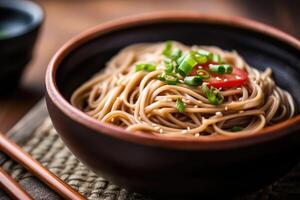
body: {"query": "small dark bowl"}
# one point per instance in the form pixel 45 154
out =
pixel 20 22
pixel 173 166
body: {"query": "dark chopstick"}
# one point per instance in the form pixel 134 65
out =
pixel 12 188
pixel 33 166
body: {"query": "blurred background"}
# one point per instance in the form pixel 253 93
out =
pixel 66 18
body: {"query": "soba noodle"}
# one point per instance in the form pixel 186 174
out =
pixel 138 101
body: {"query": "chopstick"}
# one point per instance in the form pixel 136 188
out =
pixel 33 166
pixel 11 187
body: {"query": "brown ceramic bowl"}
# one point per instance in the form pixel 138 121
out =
pixel 172 166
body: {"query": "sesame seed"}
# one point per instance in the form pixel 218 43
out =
pixel 240 99
pixel 188 128
pixel 157 128
pixel 238 77
pixel 219 114
pixel 161 130
pixel 225 80
pixel 241 111
pixel 197 135
pixel 184 131
pixel 112 119
pixel 218 78
pixel 153 124
pixel 239 88
pixel 226 108
pixel 195 106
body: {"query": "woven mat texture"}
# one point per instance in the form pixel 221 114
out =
pixel 49 150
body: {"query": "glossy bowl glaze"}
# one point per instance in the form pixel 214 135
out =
pixel 171 166
pixel 20 22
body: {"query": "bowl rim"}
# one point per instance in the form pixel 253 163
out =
pixel 34 9
pixel 188 143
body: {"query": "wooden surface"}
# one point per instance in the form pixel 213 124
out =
pixel 66 18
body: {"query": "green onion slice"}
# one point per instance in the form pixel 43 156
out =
pixel 208 54
pixel 201 59
pixel 169 67
pixel 203 73
pixel 180 105
pixel 170 79
pixel 161 77
pixel 145 66
pixel 176 54
pixel 193 80
pixel 216 58
pixel 181 58
pixel 168 49
pixel 220 69
pixel 186 65
pixel 236 129
pixel 213 95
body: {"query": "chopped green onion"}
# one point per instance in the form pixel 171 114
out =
pixel 186 65
pixel 193 80
pixel 139 67
pixel 176 54
pixel 205 88
pixel 228 68
pixel 213 95
pixel 170 79
pixel 216 58
pixel 168 49
pixel 208 54
pixel 173 55
pixel 146 67
pixel 201 59
pixel 161 77
pixel 181 58
pixel 220 69
pixel 169 67
pixel 180 105
pixel 236 129
pixel 203 74
pixel 150 67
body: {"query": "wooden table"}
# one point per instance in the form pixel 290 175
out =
pixel 66 18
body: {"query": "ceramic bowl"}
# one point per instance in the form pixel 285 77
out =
pixel 19 26
pixel 176 167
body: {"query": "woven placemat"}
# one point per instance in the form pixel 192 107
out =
pixel 45 146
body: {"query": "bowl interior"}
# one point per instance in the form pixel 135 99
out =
pixel 258 49
pixel 16 17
